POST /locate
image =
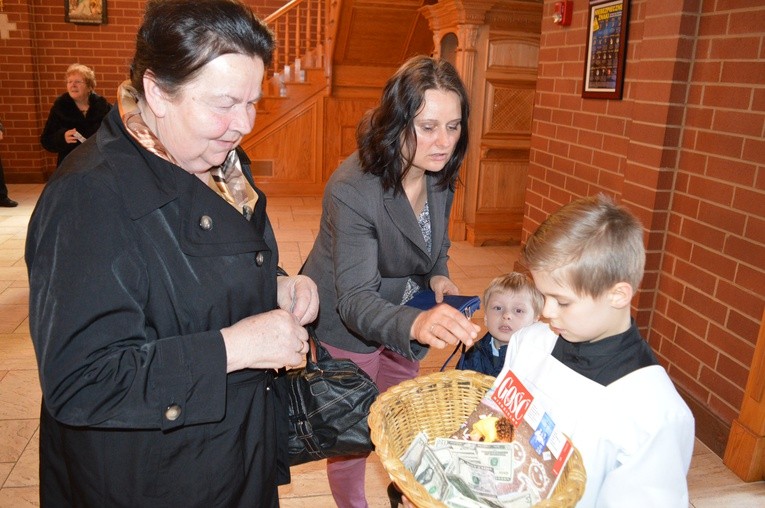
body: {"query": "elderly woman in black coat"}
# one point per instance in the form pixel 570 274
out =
pixel 157 310
pixel 76 114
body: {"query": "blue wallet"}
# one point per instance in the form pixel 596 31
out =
pixel 427 299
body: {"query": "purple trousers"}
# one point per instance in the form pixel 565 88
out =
pixel 386 368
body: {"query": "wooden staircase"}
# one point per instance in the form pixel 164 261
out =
pixel 283 144
pixel 348 49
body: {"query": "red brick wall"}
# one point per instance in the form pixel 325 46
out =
pixel 684 150
pixel 20 149
pixel 33 61
pixel 715 261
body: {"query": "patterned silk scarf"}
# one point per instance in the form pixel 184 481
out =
pixel 227 180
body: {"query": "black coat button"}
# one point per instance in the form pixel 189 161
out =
pixel 259 258
pixel 206 223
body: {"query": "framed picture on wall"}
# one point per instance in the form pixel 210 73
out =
pixel 606 49
pixel 85 12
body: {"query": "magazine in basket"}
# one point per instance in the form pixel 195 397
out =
pixel 540 451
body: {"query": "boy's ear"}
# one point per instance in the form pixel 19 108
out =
pixel 620 295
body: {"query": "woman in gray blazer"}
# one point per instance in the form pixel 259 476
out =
pixel 384 236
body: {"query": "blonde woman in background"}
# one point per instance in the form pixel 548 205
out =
pixel 76 114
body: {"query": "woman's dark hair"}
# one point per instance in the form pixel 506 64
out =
pixel 179 37
pixel 382 132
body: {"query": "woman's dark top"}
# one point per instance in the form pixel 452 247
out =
pixel 65 115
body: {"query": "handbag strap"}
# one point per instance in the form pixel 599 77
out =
pixel 460 345
pixel 315 351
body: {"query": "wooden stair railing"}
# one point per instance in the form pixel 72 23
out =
pixel 300 29
pixel 286 145
pixel 304 30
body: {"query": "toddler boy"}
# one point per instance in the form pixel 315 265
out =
pixel 510 302
pixel 591 369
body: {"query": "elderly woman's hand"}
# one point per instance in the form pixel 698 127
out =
pixel 270 340
pixel 443 325
pixel 70 136
pixel 299 296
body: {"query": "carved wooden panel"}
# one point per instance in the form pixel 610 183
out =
pixel 341 118
pixel 498 216
pixel 509 108
pixel 502 185
pixel 347 140
pixel 507 53
pixel 291 147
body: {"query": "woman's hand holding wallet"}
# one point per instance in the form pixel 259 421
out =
pixel 444 325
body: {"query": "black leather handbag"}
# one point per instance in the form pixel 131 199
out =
pixel 329 402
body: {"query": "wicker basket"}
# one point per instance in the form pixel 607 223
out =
pixel 438 403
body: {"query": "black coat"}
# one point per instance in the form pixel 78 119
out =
pixel 65 115
pixel 128 293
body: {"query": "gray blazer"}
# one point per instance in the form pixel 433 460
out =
pixel 368 245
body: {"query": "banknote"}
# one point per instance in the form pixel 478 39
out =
pixel 497 456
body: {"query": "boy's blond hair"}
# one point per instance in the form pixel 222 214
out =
pixel 515 282
pixel 588 245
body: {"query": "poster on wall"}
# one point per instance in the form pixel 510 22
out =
pixel 606 49
pixel 85 12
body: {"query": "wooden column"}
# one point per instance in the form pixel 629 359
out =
pixel 745 453
pixel 464 19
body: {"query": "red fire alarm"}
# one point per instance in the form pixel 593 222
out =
pixel 562 13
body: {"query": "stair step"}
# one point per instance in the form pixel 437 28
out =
pixel 313 76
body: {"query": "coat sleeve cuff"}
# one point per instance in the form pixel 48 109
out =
pixel 192 382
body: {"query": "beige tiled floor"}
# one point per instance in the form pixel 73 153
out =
pixel 295 221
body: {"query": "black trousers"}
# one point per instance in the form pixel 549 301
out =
pixel 3 188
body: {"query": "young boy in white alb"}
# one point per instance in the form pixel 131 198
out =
pixel 591 369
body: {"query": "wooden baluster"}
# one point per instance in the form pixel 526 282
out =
pixel 320 28
pixel 287 40
pixel 308 36
pixel 318 13
pixel 300 31
pixel 275 58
